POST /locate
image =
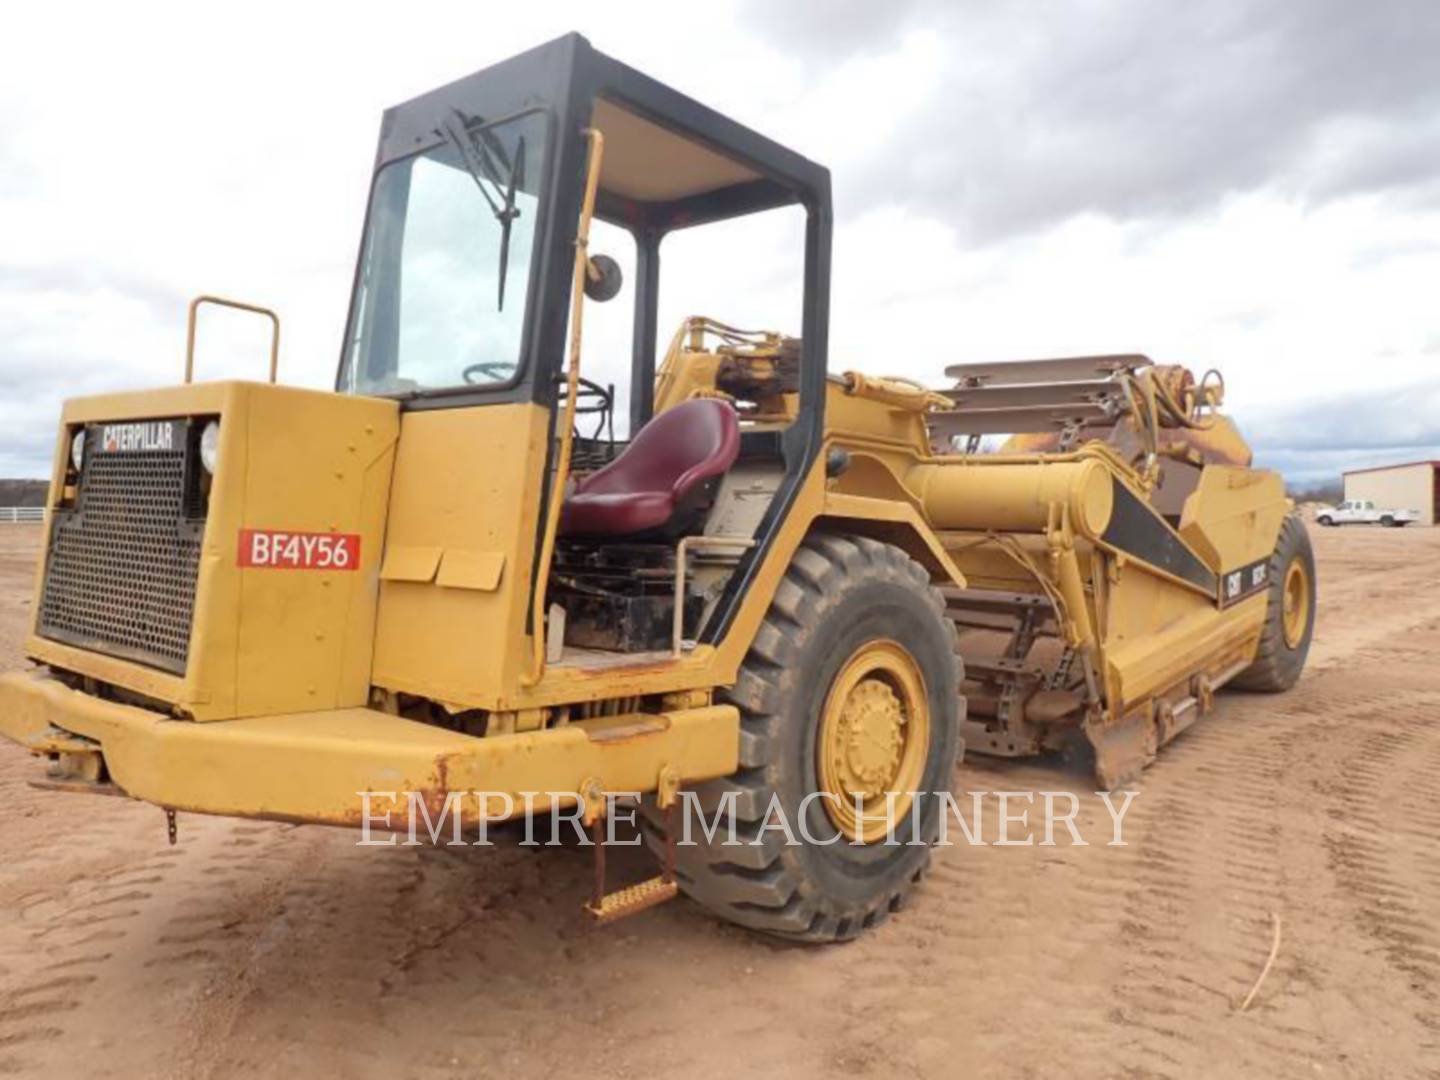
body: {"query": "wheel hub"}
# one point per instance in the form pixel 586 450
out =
pixel 1295 603
pixel 871 726
pixel 873 740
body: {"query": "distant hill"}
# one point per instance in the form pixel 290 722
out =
pixel 1324 491
pixel 23 492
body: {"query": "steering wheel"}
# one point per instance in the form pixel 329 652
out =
pixel 592 399
pixel 488 371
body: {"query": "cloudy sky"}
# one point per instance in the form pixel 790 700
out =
pixel 1253 186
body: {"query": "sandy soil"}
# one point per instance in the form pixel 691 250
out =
pixel 265 950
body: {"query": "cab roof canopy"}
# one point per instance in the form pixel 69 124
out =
pixel 669 161
pixel 665 179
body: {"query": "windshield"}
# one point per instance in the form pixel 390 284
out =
pixel 446 262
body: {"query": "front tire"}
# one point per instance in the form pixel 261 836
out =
pixel 851 687
pixel 1290 616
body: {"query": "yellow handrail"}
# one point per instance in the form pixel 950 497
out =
pixel 567 427
pixel 239 306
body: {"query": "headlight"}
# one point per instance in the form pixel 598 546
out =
pixel 210 446
pixel 77 449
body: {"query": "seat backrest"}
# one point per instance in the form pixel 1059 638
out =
pixel 680 448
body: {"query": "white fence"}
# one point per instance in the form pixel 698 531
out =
pixel 12 515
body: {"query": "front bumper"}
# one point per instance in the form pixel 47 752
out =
pixel 341 766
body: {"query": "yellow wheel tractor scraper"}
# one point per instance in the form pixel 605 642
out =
pixel 785 590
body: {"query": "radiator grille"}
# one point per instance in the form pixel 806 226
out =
pixel 120 577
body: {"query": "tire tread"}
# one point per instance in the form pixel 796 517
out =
pixel 764 887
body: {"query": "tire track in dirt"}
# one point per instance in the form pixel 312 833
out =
pixel 961 934
pixel 108 949
pixel 1383 837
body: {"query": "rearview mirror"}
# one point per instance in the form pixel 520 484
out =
pixel 603 278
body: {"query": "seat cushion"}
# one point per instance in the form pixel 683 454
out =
pixel 665 469
pixel 615 513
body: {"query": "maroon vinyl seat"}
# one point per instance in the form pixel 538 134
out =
pixel 665 474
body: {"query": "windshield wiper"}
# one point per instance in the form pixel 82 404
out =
pixel 479 159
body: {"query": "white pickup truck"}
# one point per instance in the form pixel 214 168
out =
pixel 1364 512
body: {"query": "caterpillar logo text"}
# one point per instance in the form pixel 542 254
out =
pixel 142 437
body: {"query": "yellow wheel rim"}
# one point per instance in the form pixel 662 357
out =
pixel 873 741
pixel 1296 611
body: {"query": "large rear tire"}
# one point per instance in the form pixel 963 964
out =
pixel 1290 616
pixel 851 687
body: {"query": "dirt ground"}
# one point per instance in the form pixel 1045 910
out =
pixel 272 951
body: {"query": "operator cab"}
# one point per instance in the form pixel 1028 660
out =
pixel 467 293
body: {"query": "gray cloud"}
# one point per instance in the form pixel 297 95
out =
pixel 1306 468
pixel 75 278
pixel 1138 109
pixel 1376 420
pixel 824 32
pixel 1322 439
pixel 57 344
